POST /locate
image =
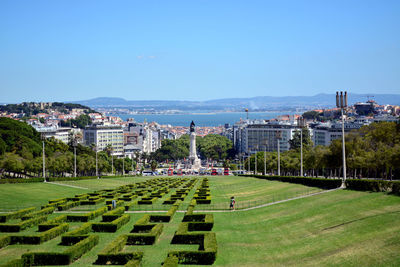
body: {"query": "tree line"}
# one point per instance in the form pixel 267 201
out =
pixel 21 155
pixel 372 151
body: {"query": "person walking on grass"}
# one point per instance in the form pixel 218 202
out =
pixel 232 204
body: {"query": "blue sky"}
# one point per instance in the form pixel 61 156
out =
pixel 196 49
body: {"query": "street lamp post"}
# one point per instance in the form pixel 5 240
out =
pixel 97 165
pixel 44 163
pixel 265 157
pixel 112 164
pixel 278 137
pixel 74 160
pixel 301 124
pixel 123 166
pixel 255 161
pixel 341 102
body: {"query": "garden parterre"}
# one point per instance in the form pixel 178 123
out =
pixel 80 231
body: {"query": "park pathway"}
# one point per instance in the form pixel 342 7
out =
pixel 67 185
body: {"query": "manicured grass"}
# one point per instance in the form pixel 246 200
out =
pixel 339 228
pixel 250 192
pixel 19 196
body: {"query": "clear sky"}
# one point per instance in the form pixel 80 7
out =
pixel 60 50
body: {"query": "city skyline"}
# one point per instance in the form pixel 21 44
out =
pixel 175 50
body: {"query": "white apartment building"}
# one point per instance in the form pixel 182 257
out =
pixel 102 136
pixel 62 134
pixel 250 138
pixel 325 133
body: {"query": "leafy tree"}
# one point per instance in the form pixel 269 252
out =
pixel 295 141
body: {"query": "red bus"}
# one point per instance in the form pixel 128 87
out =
pixel 226 171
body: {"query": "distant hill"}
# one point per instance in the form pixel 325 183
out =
pixel 33 108
pixel 253 103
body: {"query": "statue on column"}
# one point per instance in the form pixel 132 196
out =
pixel 194 160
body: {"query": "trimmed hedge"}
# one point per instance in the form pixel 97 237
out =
pixel 52 223
pixel 171 261
pixel 87 216
pixel 44 211
pixel 307 181
pixel 113 214
pixel 5 241
pixel 64 258
pixel 75 236
pixel 206 254
pixel 374 185
pixel 68 205
pixel 21 225
pixel 110 254
pixel 21 180
pixel 145 238
pixel 15 215
pixel 167 217
pixel 111 227
pixel 56 179
pixel 40 238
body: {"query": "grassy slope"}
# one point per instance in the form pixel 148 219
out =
pixel 341 228
pixel 252 192
pixel 18 196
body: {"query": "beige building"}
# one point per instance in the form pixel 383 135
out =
pixel 102 136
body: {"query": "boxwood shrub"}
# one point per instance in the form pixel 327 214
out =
pixel 87 216
pixel 111 227
pixel 44 211
pixel 42 237
pixel 62 258
pixel 111 253
pixel 22 225
pixel 372 185
pixel 15 215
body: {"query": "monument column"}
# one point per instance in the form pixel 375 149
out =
pixel 194 160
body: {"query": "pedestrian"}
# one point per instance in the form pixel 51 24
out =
pixel 232 204
pixel 114 204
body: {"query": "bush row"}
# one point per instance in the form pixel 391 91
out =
pixel 111 227
pixel 144 233
pixel 74 236
pixel 42 212
pixel 40 238
pixel 64 258
pixel 168 216
pixel 190 231
pixel 86 217
pixel 374 185
pixel 54 222
pixel 21 180
pixel 15 215
pixel 111 253
pixel 308 181
pixel 113 214
pixel 68 205
pixel 22 225
pixel 206 254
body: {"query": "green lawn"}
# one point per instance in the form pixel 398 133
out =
pixel 18 196
pixel 339 228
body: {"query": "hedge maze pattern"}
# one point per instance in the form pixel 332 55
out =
pixel 79 229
